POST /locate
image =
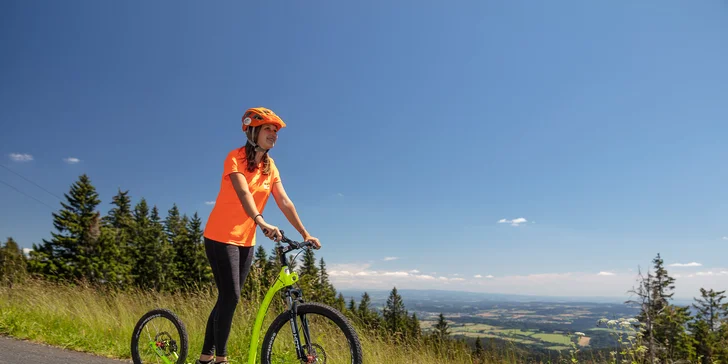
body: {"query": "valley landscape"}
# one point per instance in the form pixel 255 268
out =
pixel 546 323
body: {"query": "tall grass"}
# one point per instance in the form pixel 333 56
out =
pixel 84 319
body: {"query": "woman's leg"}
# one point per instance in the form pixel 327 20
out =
pixel 230 266
pixel 208 346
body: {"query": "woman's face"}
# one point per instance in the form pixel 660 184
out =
pixel 267 136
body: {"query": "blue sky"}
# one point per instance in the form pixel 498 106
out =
pixel 413 130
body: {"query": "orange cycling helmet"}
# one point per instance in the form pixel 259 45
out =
pixel 260 115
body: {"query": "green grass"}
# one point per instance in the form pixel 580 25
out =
pixel 81 319
pixel 553 338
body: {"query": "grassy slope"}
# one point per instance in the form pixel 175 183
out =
pixel 82 319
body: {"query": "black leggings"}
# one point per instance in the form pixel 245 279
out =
pixel 230 266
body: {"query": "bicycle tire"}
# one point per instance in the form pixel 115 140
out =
pixel 169 315
pixel 316 308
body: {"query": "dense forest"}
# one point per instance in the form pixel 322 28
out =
pixel 133 246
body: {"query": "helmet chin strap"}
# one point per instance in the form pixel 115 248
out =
pixel 258 148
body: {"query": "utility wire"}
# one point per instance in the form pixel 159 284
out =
pixel 27 195
pixel 37 185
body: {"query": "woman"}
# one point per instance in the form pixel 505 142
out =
pixel 248 178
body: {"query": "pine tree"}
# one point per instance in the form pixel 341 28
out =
pixel 72 252
pixel 13 264
pixel 364 311
pixel 327 292
pixel 146 267
pixel 414 327
pixel 120 223
pixel 308 267
pixel 655 291
pixel 192 269
pixel 442 327
pixel 274 263
pixel 175 228
pixel 710 308
pixel 706 328
pixel 672 334
pixel 164 253
pixel 261 258
pixel 340 303
pixel 394 313
pixel 479 352
pixel 154 257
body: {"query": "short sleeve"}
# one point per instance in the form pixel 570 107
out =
pixel 232 161
pixel 274 170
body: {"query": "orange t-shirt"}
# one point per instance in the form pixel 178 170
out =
pixel 228 222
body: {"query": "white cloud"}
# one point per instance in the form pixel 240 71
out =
pixel 725 238
pixel 209 202
pixel 26 251
pixel 390 258
pixel 602 284
pixel 71 160
pixel 21 157
pixel 340 194
pixel 514 222
pixel 691 264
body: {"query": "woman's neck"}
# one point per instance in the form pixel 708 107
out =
pixel 258 156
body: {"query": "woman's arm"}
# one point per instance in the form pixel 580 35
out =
pixel 246 198
pixel 289 210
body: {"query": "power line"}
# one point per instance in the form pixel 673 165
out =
pixel 37 185
pixel 27 195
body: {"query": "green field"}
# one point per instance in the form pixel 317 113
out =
pixel 548 340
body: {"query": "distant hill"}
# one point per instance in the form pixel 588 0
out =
pixel 411 296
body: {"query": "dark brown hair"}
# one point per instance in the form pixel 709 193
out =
pixel 250 154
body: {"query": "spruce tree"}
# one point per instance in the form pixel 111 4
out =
pixel 274 263
pixel 364 311
pixel 706 328
pixel 655 291
pixel 145 265
pixel 394 313
pixel 13 264
pixel 710 308
pixel 327 292
pixel 175 228
pixel 308 267
pixel 120 223
pixel 154 256
pixel 479 352
pixel 340 303
pixel 164 253
pixel 442 328
pixel 72 251
pixel 414 327
pixel 191 262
